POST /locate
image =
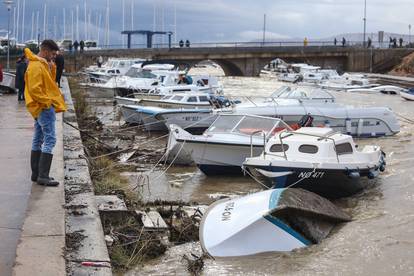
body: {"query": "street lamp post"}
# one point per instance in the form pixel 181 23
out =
pixel 8 4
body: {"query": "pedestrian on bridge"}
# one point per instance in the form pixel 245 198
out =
pixel 76 45
pixel 82 45
pixel 335 41
pixel 187 43
pixel 401 42
pixel 181 43
pixel 343 42
pixel 43 101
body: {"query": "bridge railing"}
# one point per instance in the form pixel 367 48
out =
pixel 235 44
pixel 239 44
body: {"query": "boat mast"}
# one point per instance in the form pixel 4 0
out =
pixel 85 34
pixel 44 21
pixel 31 34
pixel 72 30
pixel 175 22
pixel 123 23
pixel 132 15
pixel 64 23
pixel 18 20
pixel 77 23
pixel 37 27
pixel 23 28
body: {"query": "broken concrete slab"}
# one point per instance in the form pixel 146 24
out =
pixel 110 203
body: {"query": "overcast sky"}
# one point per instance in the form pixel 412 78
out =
pixel 220 20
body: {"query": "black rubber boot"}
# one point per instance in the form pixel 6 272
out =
pixel 44 168
pixel 34 164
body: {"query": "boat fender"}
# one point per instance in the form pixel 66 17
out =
pixel 372 174
pixel 348 125
pixel 354 175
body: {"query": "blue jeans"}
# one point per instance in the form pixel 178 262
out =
pixel 44 138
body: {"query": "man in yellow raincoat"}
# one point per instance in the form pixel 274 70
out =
pixel 43 100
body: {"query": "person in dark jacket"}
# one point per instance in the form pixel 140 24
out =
pixel 81 45
pixel 60 65
pixel 21 67
pixel 76 45
pixel 187 43
pixel 181 43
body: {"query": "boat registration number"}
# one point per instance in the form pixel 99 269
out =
pixel 192 118
pixel 311 174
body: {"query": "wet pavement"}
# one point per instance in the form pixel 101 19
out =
pixel 16 129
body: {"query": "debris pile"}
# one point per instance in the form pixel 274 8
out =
pixel 405 68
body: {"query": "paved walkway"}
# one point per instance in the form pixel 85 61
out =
pixel 31 216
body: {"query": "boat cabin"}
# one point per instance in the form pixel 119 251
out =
pixel 312 144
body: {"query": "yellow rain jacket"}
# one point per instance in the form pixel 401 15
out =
pixel 41 91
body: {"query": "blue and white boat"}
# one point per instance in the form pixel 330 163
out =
pixel 317 159
pixel 408 94
pixel 277 220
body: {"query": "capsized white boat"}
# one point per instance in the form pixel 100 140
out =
pixel 317 159
pixel 277 220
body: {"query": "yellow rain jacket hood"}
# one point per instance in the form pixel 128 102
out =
pixel 41 91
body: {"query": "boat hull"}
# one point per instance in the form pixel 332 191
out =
pixel 407 96
pixel 220 158
pixel 329 183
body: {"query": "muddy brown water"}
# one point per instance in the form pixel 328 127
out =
pixel 378 241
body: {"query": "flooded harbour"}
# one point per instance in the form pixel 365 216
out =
pixel 379 239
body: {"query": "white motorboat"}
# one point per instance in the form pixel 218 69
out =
pixel 277 220
pixel 289 77
pixel 316 159
pixel 308 95
pixel 113 67
pixel 385 89
pixel 355 121
pixel 224 146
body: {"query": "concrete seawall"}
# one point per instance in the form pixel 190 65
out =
pixel 84 233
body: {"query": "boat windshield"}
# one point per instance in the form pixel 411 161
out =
pixel 286 92
pixel 246 124
pixel 139 73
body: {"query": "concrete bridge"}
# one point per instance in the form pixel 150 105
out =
pixel 248 61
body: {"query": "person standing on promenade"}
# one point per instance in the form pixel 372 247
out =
pixel 21 66
pixel 43 101
pixel 60 65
